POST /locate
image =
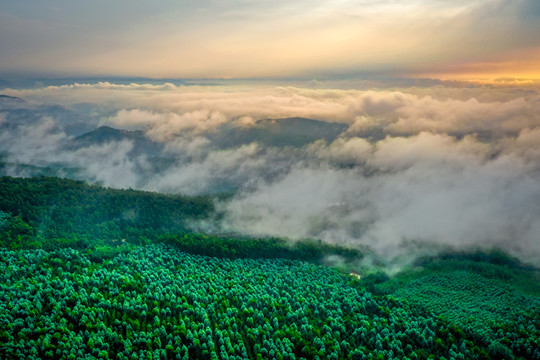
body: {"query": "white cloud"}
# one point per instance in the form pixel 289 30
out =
pixel 35 143
pixel 404 112
pixel 456 199
pixel 441 166
pixel 109 164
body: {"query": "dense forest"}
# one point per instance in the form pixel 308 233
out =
pixel 46 208
pixel 91 272
pixel 48 213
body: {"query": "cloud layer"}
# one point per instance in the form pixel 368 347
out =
pixel 426 167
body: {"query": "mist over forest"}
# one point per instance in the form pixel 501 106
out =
pixel 404 169
pixel 286 180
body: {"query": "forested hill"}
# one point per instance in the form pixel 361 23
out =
pixel 51 213
pixel 53 208
pixel 90 272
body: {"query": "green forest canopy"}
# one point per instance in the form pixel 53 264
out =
pixel 93 272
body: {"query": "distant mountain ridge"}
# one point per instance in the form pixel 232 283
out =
pixel 295 132
pixel 10 101
pixel 17 111
pixel 153 159
pixel 10 98
pixel 106 134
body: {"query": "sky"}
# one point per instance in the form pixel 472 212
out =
pixel 473 39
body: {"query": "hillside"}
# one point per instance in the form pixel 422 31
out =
pixel 47 208
pixel 48 213
pixel 92 272
pixel 159 302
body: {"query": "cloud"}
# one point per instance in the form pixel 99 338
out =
pixel 457 116
pixel 417 168
pixel 426 149
pixel 165 127
pixel 432 189
pixel 35 143
pixel 223 170
pixel 351 151
pixel 525 146
pixel 108 164
pixel 457 111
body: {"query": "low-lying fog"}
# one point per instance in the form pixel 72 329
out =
pixel 396 169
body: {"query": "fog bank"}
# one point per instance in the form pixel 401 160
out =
pixel 413 168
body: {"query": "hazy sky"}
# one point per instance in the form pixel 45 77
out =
pixel 278 38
